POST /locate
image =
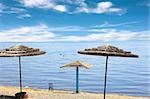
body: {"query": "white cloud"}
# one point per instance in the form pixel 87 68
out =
pixel 37 33
pixel 98 37
pixel 97 28
pixel 67 29
pixel 44 4
pixel 43 33
pixel 15 10
pixel 22 16
pixel 102 7
pixel 107 24
pixel 11 10
pixel 103 30
pixel 60 8
pixel 73 6
pixel 2 8
pixel 19 12
pixel 67 6
pixel 109 35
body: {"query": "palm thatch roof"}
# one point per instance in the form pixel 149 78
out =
pixel 78 64
pixel 20 50
pixel 108 50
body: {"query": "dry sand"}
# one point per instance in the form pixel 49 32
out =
pixel 57 94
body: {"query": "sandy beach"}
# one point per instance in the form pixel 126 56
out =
pixel 60 94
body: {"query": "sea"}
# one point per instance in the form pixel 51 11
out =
pixel 128 76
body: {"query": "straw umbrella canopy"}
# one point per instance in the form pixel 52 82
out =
pixel 19 51
pixel 77 64
pixel 107 50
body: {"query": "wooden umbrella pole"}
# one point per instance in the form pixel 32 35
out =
pixel 105 76
pixel 77 80
pixel 20 74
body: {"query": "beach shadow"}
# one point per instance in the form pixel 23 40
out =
pixel 7 97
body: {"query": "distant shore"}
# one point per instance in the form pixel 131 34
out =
pixel 60 94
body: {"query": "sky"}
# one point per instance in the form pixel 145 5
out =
pixel 74 20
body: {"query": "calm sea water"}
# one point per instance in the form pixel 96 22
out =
pixel 129 76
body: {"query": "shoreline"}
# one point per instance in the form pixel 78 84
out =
pixel 62 94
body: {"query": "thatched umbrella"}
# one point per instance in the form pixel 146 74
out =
pixel 19 51
pixel 77 64
pixel 107 50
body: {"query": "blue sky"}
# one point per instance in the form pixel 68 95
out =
pixel 74 20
